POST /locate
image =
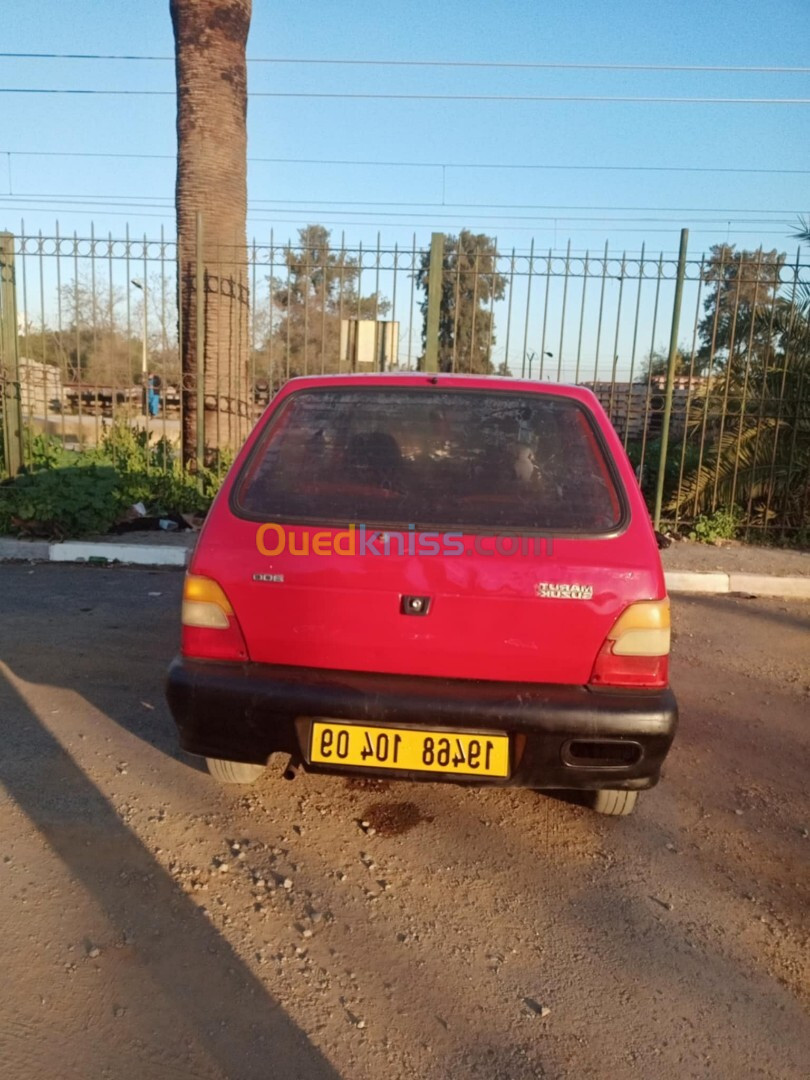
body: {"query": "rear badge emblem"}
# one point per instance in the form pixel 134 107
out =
pixel 269 577
pixel 554 591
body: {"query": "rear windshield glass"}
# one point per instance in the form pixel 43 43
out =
pixel 431 458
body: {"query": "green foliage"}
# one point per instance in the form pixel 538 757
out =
pixel 656 364
pixel 470 284
pixel 320 287
pixel 721 525
pixel 66 494
pixel 757 458
pixel 741 286
pixel 61 502
pixel 753 415
pixel 677 451
pixel 42 451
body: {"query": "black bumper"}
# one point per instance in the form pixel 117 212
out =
pixel 245 712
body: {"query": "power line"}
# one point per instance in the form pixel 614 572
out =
pixel 432 206
pixel 402 225
pixel 427 164
pixel 522 206
pixel 490 222
pixel 506 65
pixel 313 95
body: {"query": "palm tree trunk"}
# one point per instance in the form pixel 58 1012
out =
pixel 210 38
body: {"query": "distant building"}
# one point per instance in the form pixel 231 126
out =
pixel 632 407
pixel 40 388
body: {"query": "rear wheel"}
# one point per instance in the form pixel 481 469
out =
pixel 233 772
pixel 614 803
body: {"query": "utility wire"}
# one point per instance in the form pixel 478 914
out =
pixel 343 203
pixel 365 62
pixel 401 225
pixel 282 215
pixel 425 164
pixel 548 98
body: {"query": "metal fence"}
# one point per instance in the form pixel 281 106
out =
pixel 90 337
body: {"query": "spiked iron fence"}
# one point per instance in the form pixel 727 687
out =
pixel 91 336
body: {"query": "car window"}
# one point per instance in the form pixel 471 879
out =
pixel 451 460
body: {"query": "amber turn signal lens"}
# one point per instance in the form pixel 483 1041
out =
pixel 642 630
pixel 205 605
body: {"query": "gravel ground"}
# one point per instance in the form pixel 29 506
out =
pixel 159 926
pixel 736 558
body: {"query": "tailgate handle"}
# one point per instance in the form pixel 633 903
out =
pixel 414 605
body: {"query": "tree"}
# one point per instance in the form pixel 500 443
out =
pixel 319 289
pixel 741 286
pixel 210 38
pixel 760 461
pixel 98 339
pixel 470 283
pixel 92 345
pixel 757 456
pixel 656 364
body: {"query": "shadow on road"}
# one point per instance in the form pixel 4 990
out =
pixel 240 1026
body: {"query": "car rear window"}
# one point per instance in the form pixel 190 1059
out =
pixel 473 460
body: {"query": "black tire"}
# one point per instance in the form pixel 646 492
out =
pixel 614 803
pixel 233 772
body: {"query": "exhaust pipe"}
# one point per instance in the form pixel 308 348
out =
pixel 290 773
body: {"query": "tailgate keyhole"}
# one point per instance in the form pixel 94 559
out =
pixel 414 605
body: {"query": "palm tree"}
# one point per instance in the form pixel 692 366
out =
pixel 210 38
pixel 758 463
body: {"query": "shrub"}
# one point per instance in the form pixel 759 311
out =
pixel 721 525
pixel 64 494
pixel 61 502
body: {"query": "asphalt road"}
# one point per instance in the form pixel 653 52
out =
pixel 156 925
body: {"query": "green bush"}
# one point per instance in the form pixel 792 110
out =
pixel 66 494
pixel 61 502
pixel 676 451
pixel 721 525
pixel 43 451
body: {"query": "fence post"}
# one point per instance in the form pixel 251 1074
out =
pixel 672 360
pixel 199 345
pixel 10 406
pixel 435 281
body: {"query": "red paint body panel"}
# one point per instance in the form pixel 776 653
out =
pixel 485 620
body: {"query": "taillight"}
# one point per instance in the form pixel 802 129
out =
pixel 210 627
pixel 636 651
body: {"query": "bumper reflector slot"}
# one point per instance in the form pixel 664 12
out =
pixel 602 753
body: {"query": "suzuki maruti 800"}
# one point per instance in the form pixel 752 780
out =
pixel 430 577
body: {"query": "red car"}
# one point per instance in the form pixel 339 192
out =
pixel 430 577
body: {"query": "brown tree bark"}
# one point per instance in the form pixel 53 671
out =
pixel 210 38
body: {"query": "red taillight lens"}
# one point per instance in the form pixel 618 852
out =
pixel 210 629
pixel 612 670
pixel 636 651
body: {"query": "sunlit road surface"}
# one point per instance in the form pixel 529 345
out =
pixel 157 925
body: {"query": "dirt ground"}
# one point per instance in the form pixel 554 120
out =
pixel 737 558
pixel 158 926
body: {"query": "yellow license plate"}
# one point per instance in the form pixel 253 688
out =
pixel 360 746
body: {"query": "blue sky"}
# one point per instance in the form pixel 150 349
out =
pixel 514 204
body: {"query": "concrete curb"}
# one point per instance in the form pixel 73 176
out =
pixel 133 554
pixel 693 581
pixel 717 584
pixel 30 550
pixel 80 551
pixel 159 555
